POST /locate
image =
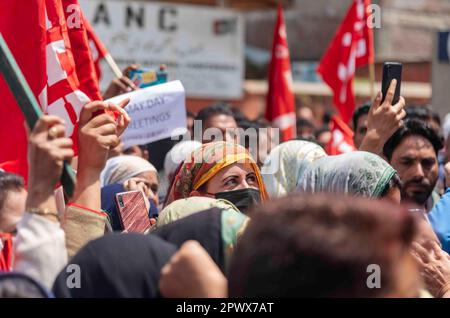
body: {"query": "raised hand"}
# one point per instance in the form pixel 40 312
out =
pixel 48 148
pixel 98 132
pixel 121 85
pixel 383 120
pixel 434 265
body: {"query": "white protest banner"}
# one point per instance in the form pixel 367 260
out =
pixel 156 113
pixel 201 46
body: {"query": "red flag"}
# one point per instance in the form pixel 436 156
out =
pixel 352 47
pixel 341 137
pixel 280 108
pixel 98 50
pixel 22 24
pixel 36 32
pixel 84 63
pixel 64 97
pixel 14 166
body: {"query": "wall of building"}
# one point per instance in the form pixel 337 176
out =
pixel 407 35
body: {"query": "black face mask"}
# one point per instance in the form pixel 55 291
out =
pixel 243 199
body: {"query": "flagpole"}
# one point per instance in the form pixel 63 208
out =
pixel 101 48
pixel 28 104
pixel 114 67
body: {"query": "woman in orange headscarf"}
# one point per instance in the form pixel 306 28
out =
pixel 220 170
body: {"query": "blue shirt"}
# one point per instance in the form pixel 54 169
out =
pixel 439 218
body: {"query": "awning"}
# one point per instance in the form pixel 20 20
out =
pixel 414 90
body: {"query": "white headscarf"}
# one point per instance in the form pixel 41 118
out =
pixel 289 160
pixel 121 168
pixel 178 154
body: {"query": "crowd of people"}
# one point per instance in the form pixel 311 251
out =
pixel 231 219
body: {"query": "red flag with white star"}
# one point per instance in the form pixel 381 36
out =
pixel 280 108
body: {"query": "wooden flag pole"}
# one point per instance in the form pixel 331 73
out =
pixel 28 104
pixel 114 67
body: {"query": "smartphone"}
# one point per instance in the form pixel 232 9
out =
pixel 133 212
pixel 391 70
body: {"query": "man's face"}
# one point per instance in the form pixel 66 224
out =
pixel 221 122
pixel 416 162
pixel 13 210
pixel 360 130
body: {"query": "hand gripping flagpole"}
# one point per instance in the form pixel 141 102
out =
pixel 28 104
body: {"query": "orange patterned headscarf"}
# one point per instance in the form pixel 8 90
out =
pixel 205 162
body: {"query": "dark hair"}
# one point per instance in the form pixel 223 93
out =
pixel 309 139
pixel 263 122
pixel 361 111
pixel 238 114
pixel 301 122
pixel 214 110
pixel 246 124
pixel 9 182
pixel 435 116
pixel 128 150
pixel 318 246
pixel 412 127
pixel 395 182
pixel 326 118
pixel 190 114
pixel 426 114
pixel 422 112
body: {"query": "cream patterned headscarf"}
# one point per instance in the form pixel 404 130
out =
pixel 356 173
pixel 288 161
pixel 120 169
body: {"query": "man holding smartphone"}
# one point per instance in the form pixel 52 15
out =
pixel 388 137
